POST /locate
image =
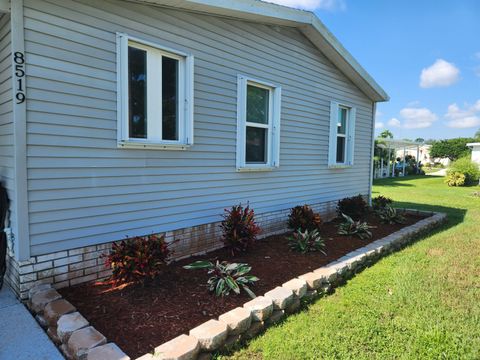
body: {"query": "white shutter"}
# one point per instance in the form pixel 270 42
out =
pixel 277 93
pixel 351 135
pixel 332 143
pixel 241 116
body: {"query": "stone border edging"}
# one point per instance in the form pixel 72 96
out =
pixel 68 329
pixel 248 321
pixel 77 340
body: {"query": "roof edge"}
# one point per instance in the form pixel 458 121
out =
pixel 306 21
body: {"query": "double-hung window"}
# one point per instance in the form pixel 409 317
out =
pixel 342 135
pixel 155 95
pixel 258 125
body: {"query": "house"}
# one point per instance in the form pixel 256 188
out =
pixel 126 118
pixel 423 153
pixel 475 151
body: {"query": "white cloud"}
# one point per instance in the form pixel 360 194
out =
pixel 417 118
pixel 441 73
pixel 463 118
pixel 379 125
pixel 330 5
pixel 394 122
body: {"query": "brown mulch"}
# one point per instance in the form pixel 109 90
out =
pixel 140 318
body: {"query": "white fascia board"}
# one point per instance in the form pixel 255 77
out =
pixel 307 22
pixel 253 10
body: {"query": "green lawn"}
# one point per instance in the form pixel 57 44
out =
pixel 420 303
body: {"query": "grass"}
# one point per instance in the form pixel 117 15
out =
pixel 420 303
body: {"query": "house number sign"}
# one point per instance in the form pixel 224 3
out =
pixel 19 60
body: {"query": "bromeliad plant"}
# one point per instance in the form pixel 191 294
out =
pixel 354 228
pixel 389 215
pixel 306 241
pixel 226 277
pixel 239 229
pixel 304 218
pixel 138 259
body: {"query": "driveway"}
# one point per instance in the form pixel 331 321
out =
pixel 20 335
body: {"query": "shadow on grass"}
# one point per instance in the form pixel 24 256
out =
pixel 402 181
pixel 455 216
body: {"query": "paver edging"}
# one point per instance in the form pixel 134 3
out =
pixel 320 281
pixel 43 297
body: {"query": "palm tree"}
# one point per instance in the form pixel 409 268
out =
pixel 386 134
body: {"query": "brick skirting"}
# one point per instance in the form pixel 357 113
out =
pixel 75 266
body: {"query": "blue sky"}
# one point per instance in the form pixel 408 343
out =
pixel 395 41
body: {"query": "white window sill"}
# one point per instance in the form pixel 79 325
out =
pixel 152 145
pixel 255 168
pixel 339 166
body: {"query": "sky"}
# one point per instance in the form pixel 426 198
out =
pixel 424 54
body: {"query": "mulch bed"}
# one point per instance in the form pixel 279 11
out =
pixel 140 318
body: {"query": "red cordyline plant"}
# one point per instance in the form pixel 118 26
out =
pixel 138 259
pixel 239 229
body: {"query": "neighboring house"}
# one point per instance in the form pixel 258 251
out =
pixel 126 118
pixel 423 153
pixel 475 151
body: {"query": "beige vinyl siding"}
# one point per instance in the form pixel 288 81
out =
pixel 84 190
pixel 7 167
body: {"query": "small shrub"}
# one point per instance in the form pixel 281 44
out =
pixel 138 259
pixel 355 207
pixel 306 241
pixel 239 229
pixel 226 277
pixel 389 215
pixel 304 218
pixel 354 228
pixel 455 179
pixel 381 202
pixel 466 167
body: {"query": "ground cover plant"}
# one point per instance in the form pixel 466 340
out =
pixel 226 277
pixel 419 303
pixel 179 299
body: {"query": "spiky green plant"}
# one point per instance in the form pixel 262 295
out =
pixel 226 277
pixel 355 228
pixel 306 241
pixel 389 215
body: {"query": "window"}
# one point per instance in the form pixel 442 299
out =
pixel 155 95
pixel 342 131
pixel 258 125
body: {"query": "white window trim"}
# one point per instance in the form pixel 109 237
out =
pixel 273 146
pixel 349 136
pixel 186 88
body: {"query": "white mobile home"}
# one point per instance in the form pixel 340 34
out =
pixel 126 118
pixel 475 151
